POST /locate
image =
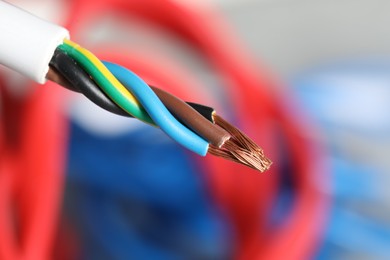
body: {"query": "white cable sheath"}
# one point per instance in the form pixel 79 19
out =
pixel 27 42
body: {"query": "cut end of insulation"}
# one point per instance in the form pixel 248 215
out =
pixel 240 148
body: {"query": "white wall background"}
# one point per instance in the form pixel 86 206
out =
pixel 290 35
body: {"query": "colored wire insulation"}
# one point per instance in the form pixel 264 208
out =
pixel 104 78
pixel 125 100
pixel 215 134
pixel 60 77
pixel 226 140
pixel 81 82
pixel 63 70
pixel 205 111
pixel 55 76
pixel 157 111
pixel 78 80
pixel 189 116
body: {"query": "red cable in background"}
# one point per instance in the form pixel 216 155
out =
pixel 32 164
pixel 244 194
pixel 247 196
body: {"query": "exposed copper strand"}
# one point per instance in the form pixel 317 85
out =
pixel 240 148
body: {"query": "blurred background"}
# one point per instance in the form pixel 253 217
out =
pixel 128 192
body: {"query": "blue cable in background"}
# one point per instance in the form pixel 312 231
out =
pixel 350 102
pixel 131 198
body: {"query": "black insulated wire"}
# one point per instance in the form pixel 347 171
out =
pixel 82 82
pixel 205 111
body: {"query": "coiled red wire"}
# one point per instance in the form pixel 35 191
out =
pixel 31 175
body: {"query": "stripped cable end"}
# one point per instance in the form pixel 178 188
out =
pixel 239 148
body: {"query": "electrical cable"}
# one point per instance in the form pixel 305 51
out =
pixel 157 110
pixel 78 80
pixel 61 74
pixel 63 69
pixel 81 82
pixel 87 59
pixel 111 86
pixel 237 147
pixel 226 140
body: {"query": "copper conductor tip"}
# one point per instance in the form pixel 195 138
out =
pixel 240 148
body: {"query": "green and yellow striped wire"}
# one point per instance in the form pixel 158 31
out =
pixel 104 78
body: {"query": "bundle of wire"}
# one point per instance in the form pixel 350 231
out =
pixel 120 91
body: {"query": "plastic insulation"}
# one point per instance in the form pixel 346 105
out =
pixel 205 111
pixel 27 42
pixel 55 76
pixel 190 117
pixel 58 77
pixel 78 80
pixel 81 82
pixel 156 109
pixel 104 78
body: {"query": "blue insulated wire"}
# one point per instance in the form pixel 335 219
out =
pixel 157 111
